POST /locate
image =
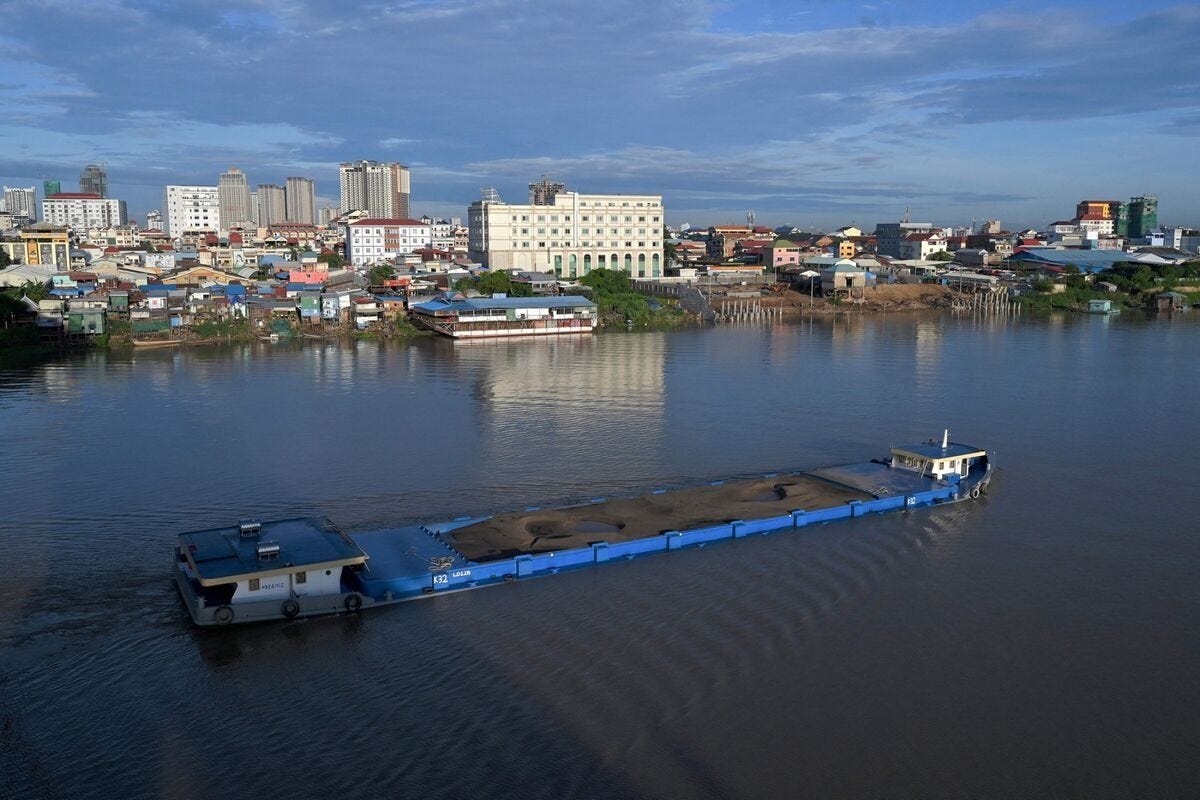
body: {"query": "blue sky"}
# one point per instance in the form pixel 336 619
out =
pixel 815 113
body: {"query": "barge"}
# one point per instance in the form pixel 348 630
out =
pixel 292 568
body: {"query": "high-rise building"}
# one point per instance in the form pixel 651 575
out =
pixel 93 180
pixel 233 193
pixel 154 220
pixel 326 215
pixel 22 204
pixel 1143 216
pixel 572 235
pixel 192 208
pixel 271 206
pixel 301 200
pixel 83 210
pixel 1099 212
pixel 544 191
pixel 50 187
pixel 381 190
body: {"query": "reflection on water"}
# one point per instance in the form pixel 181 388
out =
pixel 948 644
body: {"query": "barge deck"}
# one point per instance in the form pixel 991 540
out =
pixel 258 571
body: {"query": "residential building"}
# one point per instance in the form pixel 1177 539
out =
pixel 83 210
pixel 272 206
pixel 849 232
pixel 1113 210
pixel 1097 223
pixel 570 236
pixel 441 232
pixel 154 220
pixel 374 240
pixel 723 239
pixel 890 236
pixel 380 189
pixel 301 199
pixel 1185 239
pixel 544 191
pixel 781 253
pixel 49 245
pixel 1143 216
pixel 920 246
pixel 22 204
pixel 191 208
pixel 94 180
pixel 233 194
pixel 326 215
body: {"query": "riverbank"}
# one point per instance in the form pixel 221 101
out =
pixel 874 300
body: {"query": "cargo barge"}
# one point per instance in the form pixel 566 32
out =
pixel 293 568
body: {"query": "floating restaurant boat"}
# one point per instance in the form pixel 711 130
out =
pixel 293 568
pixel 461 317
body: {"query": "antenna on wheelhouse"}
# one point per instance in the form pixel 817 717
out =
pixel 945 438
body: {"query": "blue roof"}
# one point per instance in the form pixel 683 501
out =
pixel 459 302
pixel 225 553
pixel 1085 260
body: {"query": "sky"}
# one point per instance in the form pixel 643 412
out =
pixel 814 113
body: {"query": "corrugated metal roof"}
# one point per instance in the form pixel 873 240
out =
pixel 482 303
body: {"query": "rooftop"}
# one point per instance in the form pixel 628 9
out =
pixel 461 303
pixel 935 450
pixel 223 554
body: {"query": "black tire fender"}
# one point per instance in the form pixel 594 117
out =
pixel 353 602
pixel 508 576
pixel 290 608
pixel 975 492
pixel 223 615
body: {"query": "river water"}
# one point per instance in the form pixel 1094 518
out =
pixel 1042 642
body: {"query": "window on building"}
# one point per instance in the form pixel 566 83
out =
pixel 253 584
pixel 301 577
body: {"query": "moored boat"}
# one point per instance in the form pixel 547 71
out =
pixel 303 567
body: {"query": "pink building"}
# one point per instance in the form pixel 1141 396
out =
pixel 781 253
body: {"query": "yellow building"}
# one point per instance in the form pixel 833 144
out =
pixel 48 245
pixel 847 249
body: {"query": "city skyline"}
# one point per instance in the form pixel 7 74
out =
pixel 808 113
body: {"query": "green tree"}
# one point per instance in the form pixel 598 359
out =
pixel 380 273
pixel 4 259
pixel 334 260
pixel 494 282
pixel 942 255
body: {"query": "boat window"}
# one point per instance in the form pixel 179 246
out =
pixel 301 577
pixel 253 584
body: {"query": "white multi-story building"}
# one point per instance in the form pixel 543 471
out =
pixel 441 233
pixel 921 246
pixel 374 240
pixel 572 235
pixel 301 201
pixel 233 193
pixel 192 208
pixel 21 203
pixel 382 190
pixel 154 220
pixel 83 210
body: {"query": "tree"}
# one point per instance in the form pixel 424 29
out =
pixel 494 282
pixel 334 260
pixel 941 255
pixel 4 259
pixel 380 273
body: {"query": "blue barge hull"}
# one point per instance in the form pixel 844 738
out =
pixel 418 561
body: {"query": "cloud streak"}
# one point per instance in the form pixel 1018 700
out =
pixel 812 112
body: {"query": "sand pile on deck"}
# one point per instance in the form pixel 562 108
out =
pixel 513 534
